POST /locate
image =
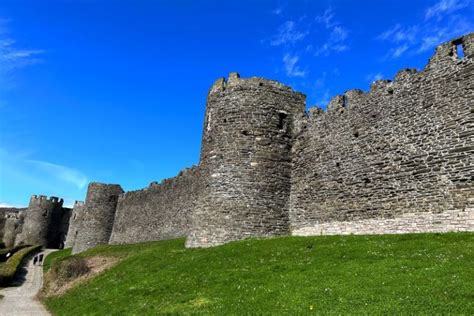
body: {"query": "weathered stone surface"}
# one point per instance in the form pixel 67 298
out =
pixel 45 223
pixel 447 221
pixel 245 161
pixel 77 212
pixel 161 211
pixel 404 147
pixel 97 218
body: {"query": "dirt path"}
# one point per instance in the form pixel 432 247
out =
pixel 20 298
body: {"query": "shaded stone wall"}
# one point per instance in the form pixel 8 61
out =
pixel 75 219
pixel 13 226
pixel 245 161
pixel 4 212
pixel 161 211
pixel 41 222
pixel 62 228
pixel 405 147
pixel 98 216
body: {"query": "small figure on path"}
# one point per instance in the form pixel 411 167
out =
pixel 40 259
pixel 35 260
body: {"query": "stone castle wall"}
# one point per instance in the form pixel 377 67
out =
pixel 161 211
pixel 98 216
pixel 401 153
pixel 245 161
pixel 75 220
pixel 12 227
pixel 41 222
pixel 396 159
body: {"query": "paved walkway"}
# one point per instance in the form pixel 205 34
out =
pixel 20 298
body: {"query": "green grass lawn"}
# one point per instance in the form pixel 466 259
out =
pixel 408 274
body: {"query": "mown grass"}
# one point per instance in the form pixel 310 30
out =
pixel 396 274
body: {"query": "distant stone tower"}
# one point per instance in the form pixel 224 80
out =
pixel 245 161
pixel 41 217
pixel 13 226
pixel 98 217
pixel 77 213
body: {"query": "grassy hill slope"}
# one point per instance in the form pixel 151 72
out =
pixel 424 273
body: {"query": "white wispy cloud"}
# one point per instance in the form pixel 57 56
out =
pixel 295 38
pixel 336 42
pixel 60 172
pixel 444 7
pixel 324 98
pixel 327 18
pixel 374 77
pixel 442 23
pixel 291 69
pixel 11 56
pixel 8 205
pixel 22 175
pixel 277 11
pixel 399 33
pixel 287 33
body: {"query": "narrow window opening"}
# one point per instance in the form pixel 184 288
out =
pixel 390 91
pixel 282 120
pixel 345 101
pixel 459 51
pixel 225 120
pixel 356 134
pixel 246 133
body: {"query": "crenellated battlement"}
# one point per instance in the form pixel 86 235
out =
pixel 78 203
pixel 164 184
pixel 234 81
pixel 448 53
pixel 43 200
pixel 444 57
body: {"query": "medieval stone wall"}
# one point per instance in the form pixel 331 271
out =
pixel 161 211
pixel 98 216
pixel 402 153
pixel 75 220
pixel 245 161
pixel 12 227
pixel 41 220
pixel 396 159
pixel 4 212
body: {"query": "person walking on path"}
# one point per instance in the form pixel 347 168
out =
pixel 20 299
pixel 35 260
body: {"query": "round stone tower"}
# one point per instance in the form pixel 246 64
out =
pixel 39 216
pixel 13 227
pixel 74 221
pixel 245 161
pixel 97 218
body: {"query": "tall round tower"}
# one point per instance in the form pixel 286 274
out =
pixel 98 216
pixel 40 214
pixel 74 221
pixel 245 161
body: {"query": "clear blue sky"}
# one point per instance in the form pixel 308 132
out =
pixel 114 91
